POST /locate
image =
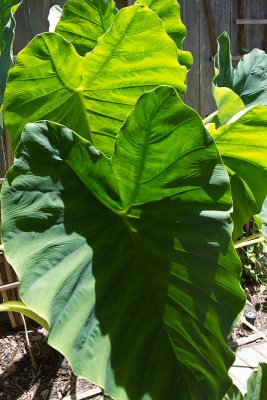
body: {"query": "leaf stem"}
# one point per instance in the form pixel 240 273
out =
pixel 257 238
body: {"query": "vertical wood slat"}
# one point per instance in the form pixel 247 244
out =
pixel 254 32
pixel 242 13
pixel 206 68
pixel 191 19
pixel 209 11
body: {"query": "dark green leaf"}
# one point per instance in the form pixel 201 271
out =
pixel 223 62
pixel 228 102
pixel 135 250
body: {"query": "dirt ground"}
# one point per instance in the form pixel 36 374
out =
pixel 52 378
pixel 257 297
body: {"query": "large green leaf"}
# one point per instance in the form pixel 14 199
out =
pixel 242 144
pixel 83 21
pixel 256 386
pixel 249 79
pixel 93 94
pixel 169 12
pixel 7 26
pixel 129 258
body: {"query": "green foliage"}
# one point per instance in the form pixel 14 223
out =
pixel 235 89
pixel 256 386
pixel 173 24
pixel 253 256
pixel 254 263
pixel 7 26
pixel 93 94
pixel 242 143
pixel 83 32
pixel 83 22
pixel 136 251
pixel 122 203
pixel 249 79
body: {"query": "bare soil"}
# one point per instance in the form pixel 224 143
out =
pixel 257 297
pixel 51 379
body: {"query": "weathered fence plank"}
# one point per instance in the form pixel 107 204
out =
pixel 192 16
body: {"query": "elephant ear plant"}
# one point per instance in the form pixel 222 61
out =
pixel 117 211
pixel 135 249
pixel 93 94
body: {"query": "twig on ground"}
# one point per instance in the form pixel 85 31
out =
pixel 244 321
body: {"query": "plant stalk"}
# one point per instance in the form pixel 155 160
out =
pixel 28 343
pixel 248 241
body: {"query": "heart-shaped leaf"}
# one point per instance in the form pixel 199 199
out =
pixel 135 250
pixel 93 94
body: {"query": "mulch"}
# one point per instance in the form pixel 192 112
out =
pixel 52 379
pixel 257 297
